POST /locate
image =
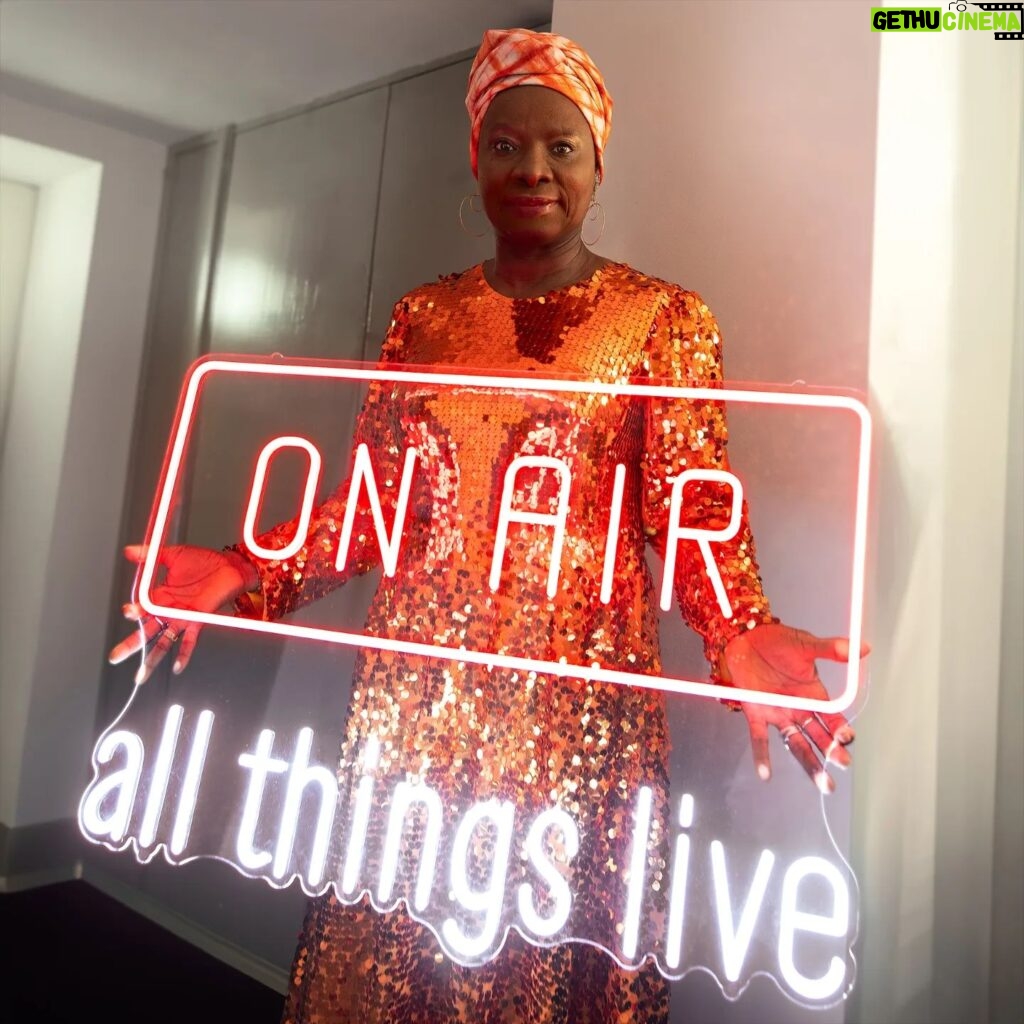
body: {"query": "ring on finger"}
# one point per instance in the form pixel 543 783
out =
pixel 161 628
pixel 807 722
pixel 788 731
pixel 172 634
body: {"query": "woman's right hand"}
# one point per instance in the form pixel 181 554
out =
pixel 196 578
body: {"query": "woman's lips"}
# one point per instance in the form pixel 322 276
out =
pixel 531 207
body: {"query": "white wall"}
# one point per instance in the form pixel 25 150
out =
pixel 1007 994
pixel 17 216
pixel 740 165
pixel 33 451
pixel 64 462
pixel 945 312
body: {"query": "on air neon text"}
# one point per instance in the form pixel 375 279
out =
pixel 390 542
pixel 256 495
pixel 365 477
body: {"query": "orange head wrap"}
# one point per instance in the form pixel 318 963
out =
pixel 518 56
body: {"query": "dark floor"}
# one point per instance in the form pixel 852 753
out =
pixel 70 953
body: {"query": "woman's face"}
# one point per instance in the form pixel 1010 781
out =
pixel 535 166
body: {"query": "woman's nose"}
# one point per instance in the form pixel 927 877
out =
pixel 533 167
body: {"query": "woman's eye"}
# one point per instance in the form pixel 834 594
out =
pixel 563 147
pixel 503 146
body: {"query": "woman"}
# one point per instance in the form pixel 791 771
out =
pixel 545 303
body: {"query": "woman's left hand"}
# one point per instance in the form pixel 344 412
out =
pixel 774 658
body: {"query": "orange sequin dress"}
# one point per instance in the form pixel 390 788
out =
pixel 474 733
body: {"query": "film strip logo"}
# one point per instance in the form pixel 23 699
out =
pixel 1018 8
pixel 1004 20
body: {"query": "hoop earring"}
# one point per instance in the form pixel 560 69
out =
pixel 592 212
pixel 473 209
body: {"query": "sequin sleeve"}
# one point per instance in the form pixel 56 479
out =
pixel 311 573
pixel 684 347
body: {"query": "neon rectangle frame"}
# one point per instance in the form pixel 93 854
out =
pixel 187 411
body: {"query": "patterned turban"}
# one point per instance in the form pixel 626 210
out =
pixel 518 56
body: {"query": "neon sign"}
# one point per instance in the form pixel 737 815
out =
pixel 363 476
pixel 205 773
pixel 300 839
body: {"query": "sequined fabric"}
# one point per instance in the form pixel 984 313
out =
pixel 536 741
pixel 356 965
